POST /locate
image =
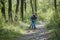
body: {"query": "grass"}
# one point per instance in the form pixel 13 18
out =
pixel 12 31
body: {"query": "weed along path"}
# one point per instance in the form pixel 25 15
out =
pixel 38 34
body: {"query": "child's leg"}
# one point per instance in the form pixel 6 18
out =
pixel 34 25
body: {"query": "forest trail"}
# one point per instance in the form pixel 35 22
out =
pixel 38 34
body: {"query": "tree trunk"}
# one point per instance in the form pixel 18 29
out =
pixel 55 5
pixel 35 7
pixel 22 2
pixel 25 9
pixel 17 7
pixel 10 10
pixel 32 7
pixel 3 9
pixel 55 14
pixel 25 4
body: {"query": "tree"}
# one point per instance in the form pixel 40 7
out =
pixel 35 7
pixel 32 7
pixel 17 7
pixel 22 2
pixel 10 10
pixel 55 5
pixel 3 9
pixel 25 4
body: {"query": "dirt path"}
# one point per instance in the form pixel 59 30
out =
pixel 39 34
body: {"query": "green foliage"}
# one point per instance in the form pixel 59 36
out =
pixel 55 35
pixel 0 5
pixel 54 24
pixel 10 31
pixel 8 34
